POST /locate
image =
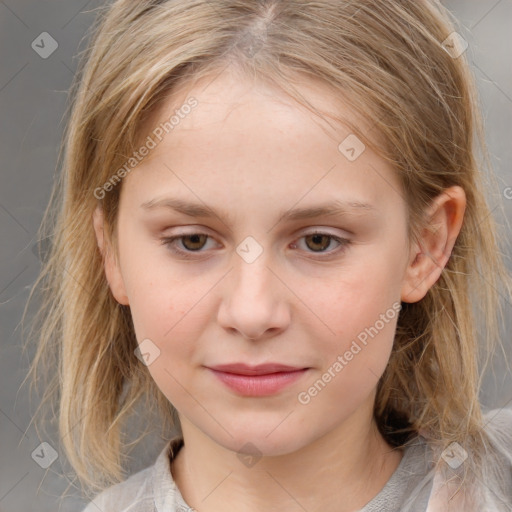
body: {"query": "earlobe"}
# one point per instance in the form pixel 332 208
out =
pixel 110 263
pixel 431 252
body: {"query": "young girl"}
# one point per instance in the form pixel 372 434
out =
pixel 272 216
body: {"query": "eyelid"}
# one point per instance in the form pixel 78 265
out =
pixel 201 230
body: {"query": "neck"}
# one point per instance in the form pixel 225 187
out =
pixel 341 471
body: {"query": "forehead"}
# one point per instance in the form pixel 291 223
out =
pixel 229 92
pixel 250 139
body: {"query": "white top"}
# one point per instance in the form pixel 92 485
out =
pixel 413 487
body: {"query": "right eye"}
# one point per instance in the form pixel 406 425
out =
pixel 193 242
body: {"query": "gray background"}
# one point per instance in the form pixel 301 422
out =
pixel 33 95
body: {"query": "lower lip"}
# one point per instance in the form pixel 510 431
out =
pixel 259 385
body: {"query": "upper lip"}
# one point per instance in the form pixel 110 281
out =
pixel 261 369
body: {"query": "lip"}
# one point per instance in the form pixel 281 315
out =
pixel 260 380
pixel 260 369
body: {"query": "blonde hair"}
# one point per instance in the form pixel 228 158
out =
pixel 387 61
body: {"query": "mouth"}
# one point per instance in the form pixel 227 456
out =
pixel 261 380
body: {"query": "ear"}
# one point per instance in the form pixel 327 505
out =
pixel 430 254
pixel 111 265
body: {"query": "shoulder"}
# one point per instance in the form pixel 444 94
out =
pixel 499 421
pixel 491 481
pixel 496 470
pixel 148 490
pixel 497 425
pixel 132 494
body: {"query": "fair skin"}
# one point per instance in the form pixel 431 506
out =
pixel 250 153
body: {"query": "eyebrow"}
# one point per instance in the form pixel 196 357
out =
pixel 334 208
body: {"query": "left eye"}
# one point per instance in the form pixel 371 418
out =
pixel 194 242
pixel 322 241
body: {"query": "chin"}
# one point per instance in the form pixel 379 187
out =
pixel 263 438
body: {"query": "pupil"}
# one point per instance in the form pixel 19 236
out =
pixel 317 237
pixel 194 240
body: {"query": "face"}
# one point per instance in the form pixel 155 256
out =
pixel 259 282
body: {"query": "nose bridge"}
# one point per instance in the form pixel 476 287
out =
pixel 251 268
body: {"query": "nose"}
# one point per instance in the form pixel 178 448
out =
pixel 254 301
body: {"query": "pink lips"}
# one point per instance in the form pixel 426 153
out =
pixel 261 380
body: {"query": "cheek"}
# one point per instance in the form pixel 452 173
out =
pixel 172 321
pixel 169 318
pixel 357 299
pixel 363 346
pixel 359 312
pixel 352 365
pixel 161 300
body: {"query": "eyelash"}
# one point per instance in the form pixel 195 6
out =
pixel 187 254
